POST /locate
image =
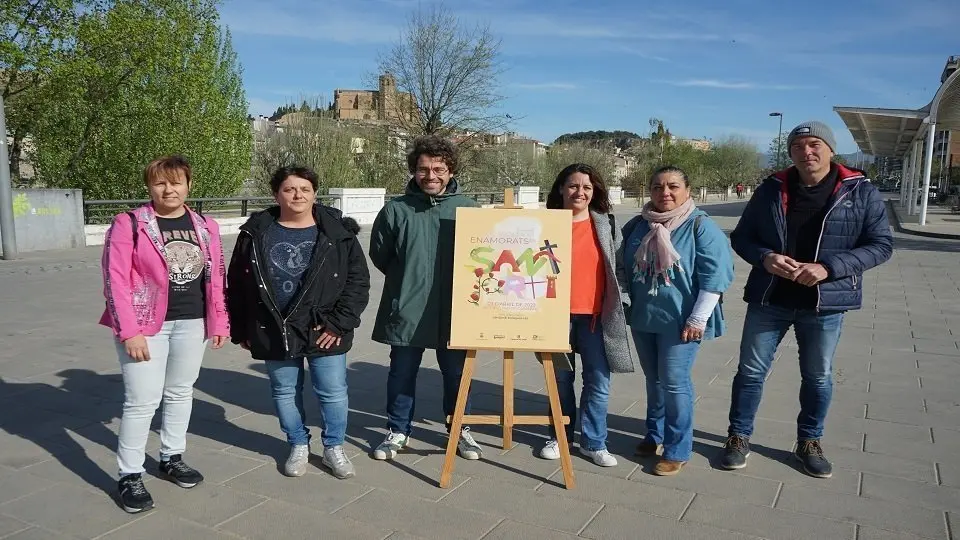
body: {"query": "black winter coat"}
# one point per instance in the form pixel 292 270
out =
pixel 335 290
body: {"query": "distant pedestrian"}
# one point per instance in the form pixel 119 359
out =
pixel 164 283
pixel 740 190
pixel 810 231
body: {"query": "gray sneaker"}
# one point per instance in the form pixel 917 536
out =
pixel 335 459
pixel 391 444
pixel 296 464
pixel 467 447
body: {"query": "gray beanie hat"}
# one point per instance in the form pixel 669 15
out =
pixel 816 129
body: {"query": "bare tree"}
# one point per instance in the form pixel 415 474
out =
pixel 446 76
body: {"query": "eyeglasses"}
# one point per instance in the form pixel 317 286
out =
pixel 437 171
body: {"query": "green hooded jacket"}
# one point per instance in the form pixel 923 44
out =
pixel 412 244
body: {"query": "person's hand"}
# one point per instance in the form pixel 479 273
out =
pixel 327 339
pixel 809 274
pixel 137 349
pixel 781 265
pixel 691 333
pixel 219 341
pixel 245 345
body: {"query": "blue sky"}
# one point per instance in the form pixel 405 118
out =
pixel 707 68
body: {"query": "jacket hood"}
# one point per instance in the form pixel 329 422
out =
pixel 331 221
pixel 844 173
pixel 453 188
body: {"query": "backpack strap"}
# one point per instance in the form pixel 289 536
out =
pixel 133 225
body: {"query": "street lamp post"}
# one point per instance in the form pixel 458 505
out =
pixel 8 237
pixel 779 136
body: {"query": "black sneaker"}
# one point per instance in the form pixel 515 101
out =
pixel 735 452
pixel 180 473
pixel 134 497
pixel 814 463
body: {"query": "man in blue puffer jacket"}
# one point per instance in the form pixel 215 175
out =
pixel 810 232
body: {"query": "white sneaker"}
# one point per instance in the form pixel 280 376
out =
pixel 337 461
pixel 391 444
pixel 296 464
pixel 467 447
pixel 551 450
pixel 602 458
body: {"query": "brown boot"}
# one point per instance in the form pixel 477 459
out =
pixel 647 449
pixel 665 467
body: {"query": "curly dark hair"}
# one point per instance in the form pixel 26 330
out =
pixel 434 146
pixel 600 202
pixel 283 173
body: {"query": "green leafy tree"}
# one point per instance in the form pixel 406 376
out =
pixel 145 78
pixel 729 161
pixel 779 153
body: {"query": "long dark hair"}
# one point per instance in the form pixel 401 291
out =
pixel 600 202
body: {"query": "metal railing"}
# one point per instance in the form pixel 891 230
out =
pixel 97 212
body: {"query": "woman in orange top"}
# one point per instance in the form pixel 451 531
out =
pixel 598 328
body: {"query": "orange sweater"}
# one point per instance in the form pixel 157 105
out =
pixel 587 275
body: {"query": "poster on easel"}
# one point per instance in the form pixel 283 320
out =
pixel 511 280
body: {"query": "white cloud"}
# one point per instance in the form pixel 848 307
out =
pixel 734 85
pixel 546 86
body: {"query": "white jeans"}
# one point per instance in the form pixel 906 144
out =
pixel 176 353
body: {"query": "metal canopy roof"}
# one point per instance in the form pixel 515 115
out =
pixel 889 132
pixel 883 132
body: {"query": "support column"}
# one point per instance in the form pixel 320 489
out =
pixel 8 236
pixel 914 175
pixel 931 134
pixel 904 177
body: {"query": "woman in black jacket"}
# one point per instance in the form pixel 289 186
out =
pixel 297 284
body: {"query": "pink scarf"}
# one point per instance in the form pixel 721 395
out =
pixel 656 257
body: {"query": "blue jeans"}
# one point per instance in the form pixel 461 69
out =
pixel 586 339
pixel 402 384
pixel 328 374
pixel 817 338
pixel 667 362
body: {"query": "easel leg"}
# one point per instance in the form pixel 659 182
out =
pixel 507 400
pixel 557 421
pixel 457 424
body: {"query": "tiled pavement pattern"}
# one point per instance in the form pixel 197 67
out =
pixel 893 434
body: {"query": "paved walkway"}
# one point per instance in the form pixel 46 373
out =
pixel 893 434
pixel 942 222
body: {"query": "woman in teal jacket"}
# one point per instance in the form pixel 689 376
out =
pixel 678 263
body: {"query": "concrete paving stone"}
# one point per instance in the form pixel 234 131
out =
pixel 397 535
pixel 531 507
pixel 770 462
pixel 19 483
pixel 918 449
pixel 206 504
pixel 949 473
pixel 518 467
pixel 936 347
pixel 418 479
pixel 315 490
pixel 511 530
pixel 79 511
pixel 875 428
pixel 873 533
pixel 160 524
pixel 763 521
pixel 923 494
pixel 416 516
pixel 874 512
pixel 37 533
pixel 277 519
pixel 668 502
pixel 900 467
pixel 617 523
pixel 715 482
pixel 96 468
pixel 9 525
pixel 17 452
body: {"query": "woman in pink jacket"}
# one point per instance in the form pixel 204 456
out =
pixel 163 279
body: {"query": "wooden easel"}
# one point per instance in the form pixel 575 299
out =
pixel 508 419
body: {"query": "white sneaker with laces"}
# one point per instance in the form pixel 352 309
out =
pixel 296 464
pixel 337 461
pixel 391 444
pixel 551 450
pixel 467 447
pixel 602 457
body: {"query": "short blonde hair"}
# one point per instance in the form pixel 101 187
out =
pixel 166 167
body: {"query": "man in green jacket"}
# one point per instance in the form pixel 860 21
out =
pixel 412 244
